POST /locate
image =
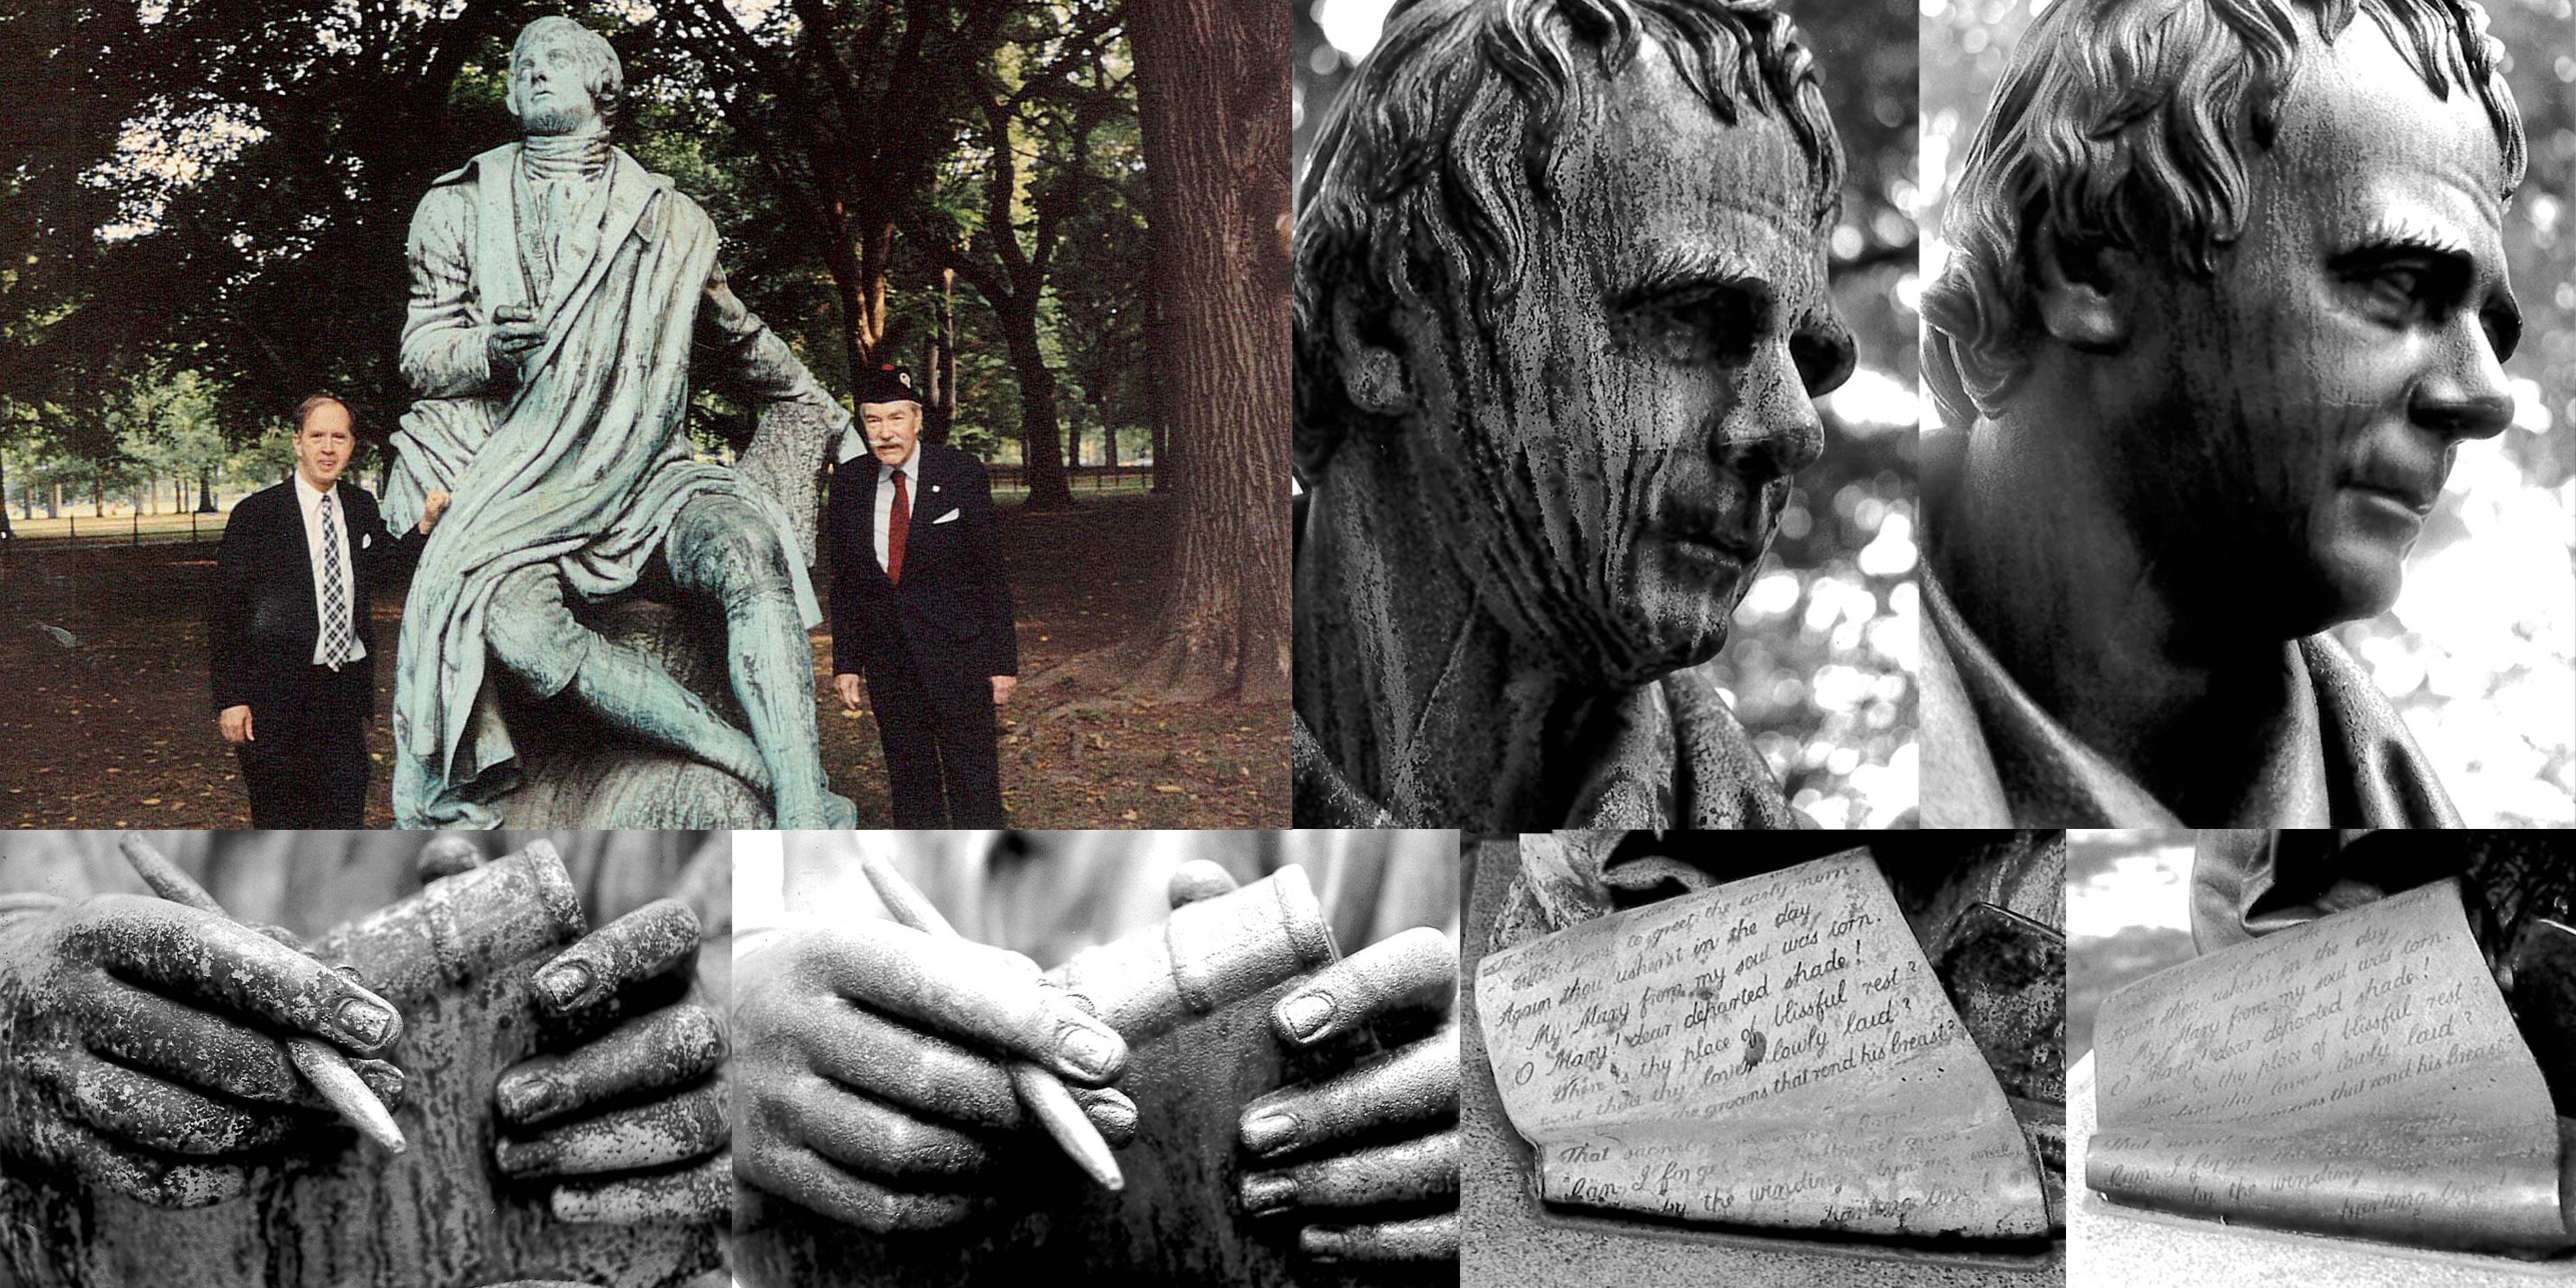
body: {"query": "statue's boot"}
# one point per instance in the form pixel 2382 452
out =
pixel 773 678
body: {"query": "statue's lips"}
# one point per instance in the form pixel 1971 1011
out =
pixel 2415 494
pixel 1707 543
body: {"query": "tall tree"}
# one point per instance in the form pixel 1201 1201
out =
pixel 848 110
pixel 1213 97
pixel 1053 92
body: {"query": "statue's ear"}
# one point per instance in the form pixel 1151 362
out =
pixel 1372 368
pixel 2084 294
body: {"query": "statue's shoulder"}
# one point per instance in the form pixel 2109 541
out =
pixel 464 175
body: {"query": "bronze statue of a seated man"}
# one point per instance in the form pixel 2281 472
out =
pixel 2228 292
pixel 1560 313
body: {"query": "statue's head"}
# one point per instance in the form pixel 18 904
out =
pixel 1560 280
pixel 563 78
pixel 2259 243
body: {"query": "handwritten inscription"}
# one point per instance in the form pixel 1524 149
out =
pixel 2357 1075
pixel 1773 1052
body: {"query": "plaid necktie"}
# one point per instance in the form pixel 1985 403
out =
pixel 336 640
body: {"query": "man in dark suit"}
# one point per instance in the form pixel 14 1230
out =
pixel 922 609
pixel 292 650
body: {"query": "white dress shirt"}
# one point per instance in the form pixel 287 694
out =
pixel 311 500
pixel 911 471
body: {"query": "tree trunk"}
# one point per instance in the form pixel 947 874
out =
pixel 205 490
pixel 1212 98
pixel 1041 441
pixel 4 496
pixel 1108 441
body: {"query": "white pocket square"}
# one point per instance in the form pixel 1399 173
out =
pixel 366 541
pixel 946 517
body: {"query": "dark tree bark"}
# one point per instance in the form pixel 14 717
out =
pixel 1212 94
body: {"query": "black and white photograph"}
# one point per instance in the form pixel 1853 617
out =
pixel 1714 1058
pixel 2320 1057
pixel 1162 1058
pixel 323 1059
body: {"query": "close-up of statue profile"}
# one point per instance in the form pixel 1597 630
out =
pixel 2247 334
pixel 1567 290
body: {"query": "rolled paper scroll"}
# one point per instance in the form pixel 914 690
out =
pixel 2357 1075
pixel 1771 1053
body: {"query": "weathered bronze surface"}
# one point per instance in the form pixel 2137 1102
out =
pixel 1194 998
pixel 1560 313
pixel 2356 1075
pixel 1519 1242
pixel 1773 1052
pixel 558 291
pixel 456 959
pixel 2200 403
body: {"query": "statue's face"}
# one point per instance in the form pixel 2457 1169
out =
pixel 2306 403
pixel 1618 467
pixel 549 85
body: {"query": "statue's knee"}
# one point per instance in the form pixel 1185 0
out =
pixel 736 554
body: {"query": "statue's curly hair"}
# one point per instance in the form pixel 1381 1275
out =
pixel 2121 125
pixel 1433 170
pixel 604 75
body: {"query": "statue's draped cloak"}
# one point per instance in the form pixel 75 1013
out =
pixel 1679 759
pixel 1992 757
pixel 584 464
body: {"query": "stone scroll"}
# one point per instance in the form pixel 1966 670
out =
pixel 1771 1053
pixel 2358 1075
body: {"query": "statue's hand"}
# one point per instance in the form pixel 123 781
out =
pixel 1333 1167
pixel 431 507
pixel 514 334
pixel 631 1122
pixel 873 1088
pixel 141 1047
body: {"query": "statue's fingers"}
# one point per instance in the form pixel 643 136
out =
pixel 671 1047
pixel 1430 1238
pixel 658 938
pixel 1111 1113
pixel 1412 1171
pixel 808 1179
pixel 139 1109
pixel 182 1043
pixel 1198 879
pixel 903 1066
pixel 701 1194
pixel 1414 1085
pixel 869 1138
pixel 448 853
pixel 974 992
pixel 688 1125
pixel 202 957
pixel 1417 967
pixel 117 1169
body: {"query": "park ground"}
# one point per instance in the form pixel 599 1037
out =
pixel 114 729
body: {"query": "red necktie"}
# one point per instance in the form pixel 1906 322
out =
pixel 901 519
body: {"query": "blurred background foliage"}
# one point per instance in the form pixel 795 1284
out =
pixel 2479 654
pixel 1825 645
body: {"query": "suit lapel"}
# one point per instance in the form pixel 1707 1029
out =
pixel 863 514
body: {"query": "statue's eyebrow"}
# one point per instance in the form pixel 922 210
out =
pixel 2408 234
pixel 1671 271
